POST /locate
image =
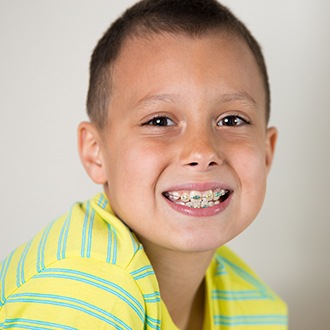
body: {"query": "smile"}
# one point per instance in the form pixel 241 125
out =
pixel 198 199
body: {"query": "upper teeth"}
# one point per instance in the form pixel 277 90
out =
pixel 197 199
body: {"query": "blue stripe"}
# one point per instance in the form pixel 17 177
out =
pixel 102 202
pixel 31 324
pixel 237 295
pixel 26 326
pixel 66 234
pixel 114 253
pixel 99 202
pixel 220 270
pixel 59 244
pixel 20 275
pixel 41 248
pixel 250 320
pixel 140 270
pixel 144 275
pixel 153 323
pixel 109 243
pixel 85 230
pixel 87 278
pixel 235 292
pixel 134 243
pixel 18 272
pixel 90 235
pixel 4 270
pixel 220 273
pixel 78 279
pixel 69 303
pixel 112 245
pixel 152 297
pixel 239 298
pixel 63 237
pixel 138 274
pixel 151 301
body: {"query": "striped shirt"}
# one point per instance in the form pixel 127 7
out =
pixel 87 270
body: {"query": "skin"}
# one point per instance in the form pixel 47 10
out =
pixel 194 85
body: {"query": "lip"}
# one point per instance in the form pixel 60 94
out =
pixel 199 186
pixel 201 212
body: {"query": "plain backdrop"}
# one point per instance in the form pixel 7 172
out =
pixel 44 55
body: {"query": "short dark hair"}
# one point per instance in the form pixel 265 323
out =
pixel 191 17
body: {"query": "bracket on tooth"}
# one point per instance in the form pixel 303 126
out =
pixel 196 199
pixel 208 195
pixel 195 195
pixel 185 197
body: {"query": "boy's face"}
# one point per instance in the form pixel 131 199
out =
pixel 186 124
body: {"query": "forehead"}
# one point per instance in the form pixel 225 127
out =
pixel 210 64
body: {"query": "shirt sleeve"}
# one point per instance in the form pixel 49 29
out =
pixel 76 294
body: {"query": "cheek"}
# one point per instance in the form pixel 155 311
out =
pixel 142 159
pixel 132 177
pixel 135 165
pixel 251 168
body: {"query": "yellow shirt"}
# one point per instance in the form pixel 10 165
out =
pixel 87 270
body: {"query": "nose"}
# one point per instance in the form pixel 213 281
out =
pixel 201 149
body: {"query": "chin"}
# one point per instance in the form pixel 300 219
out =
pixel 198 243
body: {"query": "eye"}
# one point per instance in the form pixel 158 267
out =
pixel 232 121
pixel 159 121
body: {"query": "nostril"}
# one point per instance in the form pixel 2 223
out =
pixel 193 164
pixel 196 164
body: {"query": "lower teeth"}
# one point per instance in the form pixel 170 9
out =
pixel 199 205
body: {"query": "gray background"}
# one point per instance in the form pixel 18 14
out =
pixel 44 53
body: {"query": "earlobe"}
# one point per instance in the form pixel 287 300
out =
pixel 89 146
pixel 271 139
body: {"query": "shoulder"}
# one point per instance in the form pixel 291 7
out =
pixel 87 261
pixel 241 296
pixel 227 259
pixel 229 269
pixel 79 293
pixel 89 231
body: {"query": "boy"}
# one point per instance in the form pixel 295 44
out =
pixel 179 103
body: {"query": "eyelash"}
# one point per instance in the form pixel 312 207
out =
pixel 228 121
pixel 159 121
pixel 233 119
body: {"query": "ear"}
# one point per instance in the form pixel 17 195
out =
pixel 271 138
pixel 89 146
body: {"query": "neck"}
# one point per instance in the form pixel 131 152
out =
pixel 181 283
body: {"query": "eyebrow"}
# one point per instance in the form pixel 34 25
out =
pixel 170 98
pixel 154 99
pixel 238 96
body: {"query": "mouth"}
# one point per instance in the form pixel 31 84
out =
pixel 198 199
